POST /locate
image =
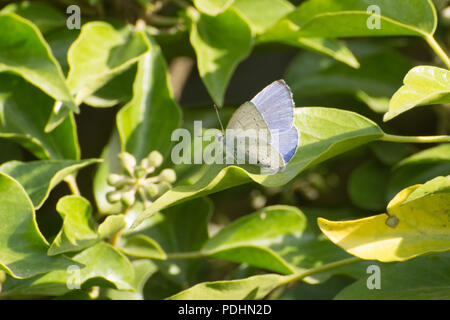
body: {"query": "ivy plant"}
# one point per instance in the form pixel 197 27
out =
pixel 93 206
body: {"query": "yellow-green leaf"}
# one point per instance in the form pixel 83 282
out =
pixel 418 223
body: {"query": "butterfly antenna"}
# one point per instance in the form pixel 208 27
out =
pixel 218 117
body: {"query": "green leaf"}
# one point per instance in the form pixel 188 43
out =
pixel 45 17
pixel 313 75
pixel 117 91
pixel 367 185
pixel 26 125
pixel 110 164
pixel 324 133
pixel 331 47
pixel 262 14
pixel 212 7
pixel 352 18
pixel 100 53
pixel 423 85
pixel 24 51
pixel 278 238
pixel 424 278
pixel 221 43
pixel 419 168
pixel 78 231
pixel 430 155
pixel 178 230
pixel 111 225
pixel 60 41
pixel 146 123
pixel 256 239
pixel 100 261
pixel 23 249
pixel 143 270
pixel 417 224
pixel 252 288
pixel 38 178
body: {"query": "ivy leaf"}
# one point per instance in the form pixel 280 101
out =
pixel 60 41
pixel 77 231
pixel 417 224
pixel 212 7
pixel 430 155
pixel 256 238
pixel 423 85
pixel 262 14
pixel 100 53
pixel 324 133
pixel 419 168
pixel 23 249
pixel 99 261
pixel 24 51
pixel 252 288
pixel 45 17
pixel 352 18
pixel 278 239
pixel 140 133
pixel 220 42
pixel 38 178
pixel 423 278
pixel 26 125
pixel 143 270
pixel 110 164
pixel 111 225
pixel 152 99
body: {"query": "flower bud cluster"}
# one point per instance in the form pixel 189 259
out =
pixel 138 184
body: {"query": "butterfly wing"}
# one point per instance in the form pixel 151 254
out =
pixel 276 105
pixel 248 120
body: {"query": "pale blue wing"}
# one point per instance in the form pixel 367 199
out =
pixel 276 105
pixel 288 143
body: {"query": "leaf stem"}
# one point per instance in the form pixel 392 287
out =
pixel 405 139
pixel 186 255
pixel 303 274
pixel 72 183
pixel 438 50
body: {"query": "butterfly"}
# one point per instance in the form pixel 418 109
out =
pixel 262 130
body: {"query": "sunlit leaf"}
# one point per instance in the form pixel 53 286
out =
pixel 26 125
pixel 423 85
pixel 101 261
pixel 418 223
pixel 23 249
pixel 78 231
pixel 221 43
pixel 38 178
pixel 252 288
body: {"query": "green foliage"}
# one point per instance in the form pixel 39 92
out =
pixel 310 230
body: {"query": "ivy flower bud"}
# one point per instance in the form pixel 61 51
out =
pixel 128 198
pixel 155 159
pixel 168 175
pixel 113 196
pixel 114 179
pixel 127 161
pixel 151 190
